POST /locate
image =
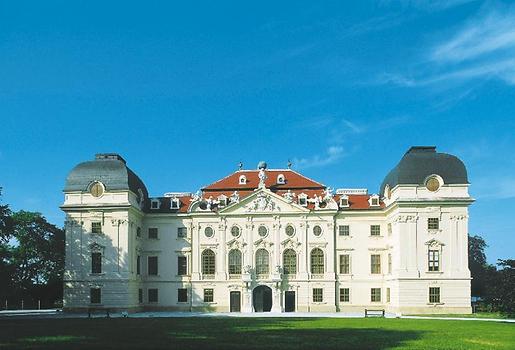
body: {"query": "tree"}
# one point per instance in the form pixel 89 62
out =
pixel 6 267
pixel 478 266
pixel 38 257
pixel 502 287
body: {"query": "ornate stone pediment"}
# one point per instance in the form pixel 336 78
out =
pixel 236 244
pixel 290 243
pixel 433 243
pixel 96 247
pixel 261 243
pixel 263 201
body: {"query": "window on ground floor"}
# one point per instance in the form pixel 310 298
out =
pixel 344 295
pixel 152 295
pixel 434 294
pixel 208 295
pixel 375 295
pixel 182 295
pixel 140 295
pixel 318 295
pixel 95 296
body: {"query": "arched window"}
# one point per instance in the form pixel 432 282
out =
pixel 208 262
pixel 262 262
pixel 235 262
pixel 317 261
pixel 289 262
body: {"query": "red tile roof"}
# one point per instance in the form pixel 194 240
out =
pixel 293 180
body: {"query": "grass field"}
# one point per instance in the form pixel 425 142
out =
pixel 476 315
pixel 254 333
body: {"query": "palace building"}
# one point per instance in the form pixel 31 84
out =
pixel 270 240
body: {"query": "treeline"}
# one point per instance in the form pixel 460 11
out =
pixel 31 260
pixel 493 285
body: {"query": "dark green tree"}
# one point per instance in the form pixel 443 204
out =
pixel 6 267
pixel 38 256
pixel 501 290
pixel 479 268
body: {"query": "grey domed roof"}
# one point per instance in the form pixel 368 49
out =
pixel 108 168
pixel 420 162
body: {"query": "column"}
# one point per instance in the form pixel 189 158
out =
pixel 195 256
pixel 220 264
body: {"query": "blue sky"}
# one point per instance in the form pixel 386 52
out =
pixel 186 92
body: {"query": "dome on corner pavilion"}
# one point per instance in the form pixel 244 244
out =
pixel 421 161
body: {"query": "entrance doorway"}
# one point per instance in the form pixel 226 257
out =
pixel 289 301
pixel 262 299
pixel 235 301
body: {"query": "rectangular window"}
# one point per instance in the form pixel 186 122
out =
pixel 344 295
pixel 434 294
pixel 95 296
pixel 96 227
pixel 182 232
pixel 152 295
pixel 387 295
pixel 303 201
pixel 345 264
pixel 318 295
pixel 433 223
pixel 343 230
pixel 182 265
pixel 152 233
pixel 140 296
pixel 96 262
pixel 375 263
pixel 389 264
pixel 375 295
pixel 138 265
pixel 375 230
pixel 434 260
pixel 138 232
pixel 182 295
pixel 152 265
pixel 208 295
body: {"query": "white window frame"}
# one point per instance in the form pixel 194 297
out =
pixel 372 199
pixel 155 204
pixel 344 201
pixel 222 201
pixel 303 197
pixel 175 203
pixel 242 180
pixel 281 180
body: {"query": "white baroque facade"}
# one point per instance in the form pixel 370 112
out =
pixel 270 240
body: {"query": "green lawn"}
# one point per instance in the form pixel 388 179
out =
pixel 253 333
pixel 476 315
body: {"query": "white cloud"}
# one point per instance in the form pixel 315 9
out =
pixel 482 48
pixel 333 154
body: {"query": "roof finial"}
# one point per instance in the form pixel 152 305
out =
pixel 289 164
pixel 240 165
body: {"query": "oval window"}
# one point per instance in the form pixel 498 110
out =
pixel 235 231
pixel 262 231
pixel 208 231
pixel 290 231
pixel 317 230
pixel 432 184
pixel 96 189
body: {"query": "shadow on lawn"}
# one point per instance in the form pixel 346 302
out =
pixel 194 333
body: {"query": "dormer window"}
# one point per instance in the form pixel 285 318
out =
pixel 303 200
pixel 155 203
pixel 243 180
pixel 374 200
pixel 280 179
pixel 344 201
pixel 175 203
pixel 222 201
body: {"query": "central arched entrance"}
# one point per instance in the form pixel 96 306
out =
pixel 262 299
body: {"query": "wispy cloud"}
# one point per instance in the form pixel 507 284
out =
pixel 341 134
pixel 332 155
pixel 482 48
